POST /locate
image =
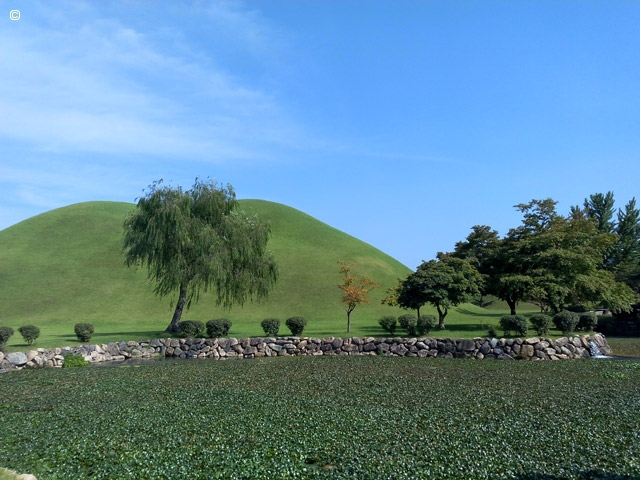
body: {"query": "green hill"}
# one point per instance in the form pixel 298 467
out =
pixel 65 266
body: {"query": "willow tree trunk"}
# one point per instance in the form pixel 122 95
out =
pixel 174 326
pixel 512 305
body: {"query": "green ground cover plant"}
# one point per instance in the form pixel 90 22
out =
pixel 331 417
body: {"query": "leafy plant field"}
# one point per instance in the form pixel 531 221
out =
pixel 331 417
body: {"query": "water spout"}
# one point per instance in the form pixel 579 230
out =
pixel 595 350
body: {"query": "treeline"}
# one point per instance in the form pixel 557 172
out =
pixel 589 258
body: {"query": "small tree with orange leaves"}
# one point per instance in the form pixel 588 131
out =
pixel 354 290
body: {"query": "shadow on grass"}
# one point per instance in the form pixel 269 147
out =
pixel 471 313
pixel 124 336
pixel 461 327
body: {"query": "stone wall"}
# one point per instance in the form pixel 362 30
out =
pixel 231 348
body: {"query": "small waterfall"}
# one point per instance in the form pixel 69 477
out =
pixel 595 350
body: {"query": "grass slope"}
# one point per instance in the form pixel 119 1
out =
pixel 65 266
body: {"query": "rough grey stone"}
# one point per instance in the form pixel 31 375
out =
pixel 527 350
pixel 17 358
pixel 369 347
pixel 468 345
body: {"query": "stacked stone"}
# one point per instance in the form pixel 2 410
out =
pixel 232 348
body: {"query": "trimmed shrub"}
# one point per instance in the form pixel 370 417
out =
pixel 493 331
pixel 191 329
pixel 587 321
pixel 388 324
pixel 424 324
pixel 5 334
pixel 270 326
pixel 218 327
pixel 83 331
pixel 296 325
pixel 73 360
pixel 566 321
pixel 541 323
pixel 514 323
pixel 30 333
pixel 408 322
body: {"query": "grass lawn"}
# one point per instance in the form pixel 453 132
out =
pixel 625 346
pixel 331 417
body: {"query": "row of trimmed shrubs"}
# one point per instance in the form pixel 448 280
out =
pixel 412 325
pixel 567 322
pixel 219 327
pixel 30 333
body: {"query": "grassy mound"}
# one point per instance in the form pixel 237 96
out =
pixel 65 266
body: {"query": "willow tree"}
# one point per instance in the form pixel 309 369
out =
pixel 198 240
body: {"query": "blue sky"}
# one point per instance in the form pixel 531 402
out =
pixel 401 123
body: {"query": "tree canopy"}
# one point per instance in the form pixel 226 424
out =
pixel 354 289
pixel 196 240
pixel 555 261
pixel 443 283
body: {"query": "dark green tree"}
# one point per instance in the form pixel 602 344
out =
pixel 443 283
pixel 600 207
pixel 626 259
pixel 196 240
pixel 481 247
pixel 560 261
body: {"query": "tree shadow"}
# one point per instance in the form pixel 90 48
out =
pixel 465 311
pixel 461 327
pixel 124 336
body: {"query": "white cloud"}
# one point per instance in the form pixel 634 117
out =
pixel 106 87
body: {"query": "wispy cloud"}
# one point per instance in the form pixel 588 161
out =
pixel 104 86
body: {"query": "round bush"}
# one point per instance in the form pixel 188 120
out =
pixel 388 324
pixel 5 334
pixel 270 326
pixel 408 322
pixel 514 323
pixel 424 324
pixel 30 333
pixel 566 322
pixel 218 327
pixel 296 325
pixel 541 323
pixel 191 329
pixel 83 331
pixel 587 321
